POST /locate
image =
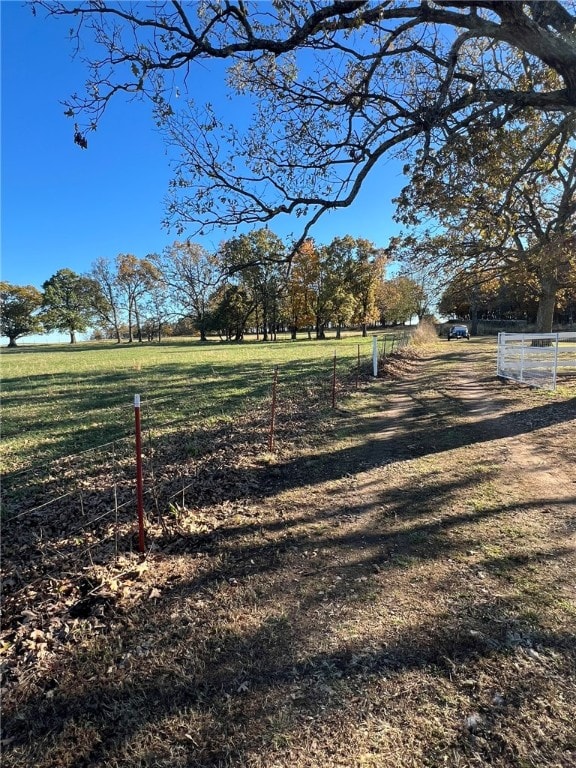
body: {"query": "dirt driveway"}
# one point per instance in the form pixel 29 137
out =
pixel 399 591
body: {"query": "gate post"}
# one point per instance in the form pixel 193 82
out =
pixel 555 368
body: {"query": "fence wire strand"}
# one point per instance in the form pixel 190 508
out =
pixel 104 476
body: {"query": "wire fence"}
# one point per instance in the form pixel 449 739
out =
pixel 78 512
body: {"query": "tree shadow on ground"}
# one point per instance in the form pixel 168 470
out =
pixel 241 660
pixel 378 441
pixel 413 440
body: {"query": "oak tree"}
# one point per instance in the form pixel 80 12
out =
pixel 399 299
pixel 192 275
pixel 232 310
pixel 300 288
pixel 135 277
pixel 506 199
pixel 258 260
pixel 109 304
pixel 19 306
pixel 68 302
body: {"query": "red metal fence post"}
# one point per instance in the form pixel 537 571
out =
pixel 139 481
pixel 273 411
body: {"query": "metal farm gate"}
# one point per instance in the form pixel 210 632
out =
pixel 534 358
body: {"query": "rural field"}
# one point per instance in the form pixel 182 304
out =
pixel 391 586
pixel 60 400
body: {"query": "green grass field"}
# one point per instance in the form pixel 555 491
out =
pixel 59 400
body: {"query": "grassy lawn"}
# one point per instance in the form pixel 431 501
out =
pixel 59 400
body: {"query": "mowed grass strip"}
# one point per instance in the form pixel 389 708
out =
pixel 60 400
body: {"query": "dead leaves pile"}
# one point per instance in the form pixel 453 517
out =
pixel 400 364
pixel 71 568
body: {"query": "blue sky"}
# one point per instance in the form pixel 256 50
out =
pixel 65 207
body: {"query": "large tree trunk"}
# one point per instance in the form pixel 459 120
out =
pixel 319 328
pixel 474 320
pixel 138 326
pixel 265 322
pixel 130 335
pixel 72 337
pixel 546 305
pixel 116 325
pixel 201 323
pixel 12 341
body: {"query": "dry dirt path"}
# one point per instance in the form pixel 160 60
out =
pixel 400 592
pixel 536 434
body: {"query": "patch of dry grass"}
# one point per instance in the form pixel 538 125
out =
pixel 426 333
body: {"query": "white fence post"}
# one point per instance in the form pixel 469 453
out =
pixel 555 370
pixel 375 356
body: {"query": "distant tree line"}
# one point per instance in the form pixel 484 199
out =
pixel 248 285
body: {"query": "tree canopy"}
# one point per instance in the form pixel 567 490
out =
pixel 19 306
pixel 400 299
pixel 332 88
pixel 191 274
pixel 68 302
pixel 506 199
